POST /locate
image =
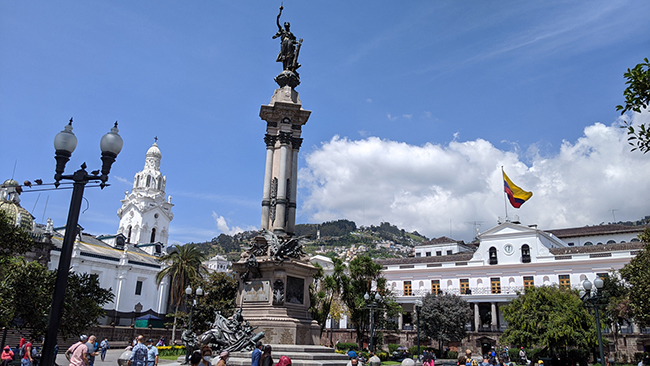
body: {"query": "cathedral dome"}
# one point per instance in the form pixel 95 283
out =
pixel 154 151
pixel 10 204
pixel 10 183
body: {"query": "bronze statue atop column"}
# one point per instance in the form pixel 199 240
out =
pixel 288 55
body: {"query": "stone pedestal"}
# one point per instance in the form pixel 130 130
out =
pixel 277 302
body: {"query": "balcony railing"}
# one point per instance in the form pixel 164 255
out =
pixel 506 290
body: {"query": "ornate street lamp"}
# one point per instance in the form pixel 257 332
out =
pixel 65 143
pixel 418 307
pixel 594 299
pixel 191 295
pixel 372 305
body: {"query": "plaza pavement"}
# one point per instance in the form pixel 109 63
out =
pixel 111 359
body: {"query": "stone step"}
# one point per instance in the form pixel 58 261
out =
pixel 300 355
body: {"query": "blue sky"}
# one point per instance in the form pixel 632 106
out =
pixel 415 107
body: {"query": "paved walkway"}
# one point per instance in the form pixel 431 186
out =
pixel 111 359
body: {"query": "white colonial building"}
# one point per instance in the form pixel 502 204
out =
pixel 218 263
pixel 507 258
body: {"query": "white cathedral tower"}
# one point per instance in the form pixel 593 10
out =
pixel 145 214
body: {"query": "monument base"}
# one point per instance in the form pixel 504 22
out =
pixel 275 298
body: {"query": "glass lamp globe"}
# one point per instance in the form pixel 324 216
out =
pixel 199 291
pixel 366 297
pixel 377 296
pixel 418 303
pixel 112 142
pixel 188 290
pixel 587 285
pixel 66 140
pixel 599 283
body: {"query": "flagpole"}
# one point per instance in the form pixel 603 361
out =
pixel 505 199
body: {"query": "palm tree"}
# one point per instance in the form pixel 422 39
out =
pixel 184 267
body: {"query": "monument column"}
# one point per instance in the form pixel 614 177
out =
pixel 284 117
pixel 268 174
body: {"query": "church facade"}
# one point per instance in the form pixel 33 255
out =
pixel 127 262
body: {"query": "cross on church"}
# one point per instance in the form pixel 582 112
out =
pixel 155 139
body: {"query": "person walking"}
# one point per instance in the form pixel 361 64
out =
pixel 92 350
pixel 104 346
pixel 139 353
pixel 77 354
pixel 7 356
pixel 26 353
pixel 152 353
pixel 266 359
pixel 257 354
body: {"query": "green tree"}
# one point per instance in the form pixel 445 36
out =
pixel 183 266
pixel 13 240
pixel 362 274
pixel 617 304
pixel 549 316
pixel 26 292
pixel 220 291
pixel 324 291
pixel 637 97
pixel 637 275
pixel 443 317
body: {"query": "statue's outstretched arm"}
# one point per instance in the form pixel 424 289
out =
pixel 277 20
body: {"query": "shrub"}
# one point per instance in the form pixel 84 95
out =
pixel 452 355
pixel 347 346
pixel 383 356
pixel 392 347
pixel 171 350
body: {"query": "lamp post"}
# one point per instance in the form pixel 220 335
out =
pixel 191 295
pixel 65 143
pixel 372 305
pixel 594 299
pixel 418 307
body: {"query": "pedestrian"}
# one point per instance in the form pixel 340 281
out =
pixel 461 360
pixel 206 356
pixel 522 356
pixel 284 361
pixel 486 361
pixel 195 358
pixel 139 353
pixel 152 353
pixel 77 354
pixel 104 346
pixel 257 354
pixel 223 357
pixel 26 353
pixel 7 356
pixel 266 359
pixel 92 350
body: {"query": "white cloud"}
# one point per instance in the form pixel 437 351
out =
pixel 391 117
pixel 425 187
pixel 369 101
pixel 222 225
pixel 123 180
pixel 407 116
pixel 427 114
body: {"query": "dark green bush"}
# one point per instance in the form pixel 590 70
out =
pixel 392 347
pixel 347 346
pixel 383 356
pixel 452 355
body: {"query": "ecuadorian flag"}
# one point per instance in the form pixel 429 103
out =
pixel 516 195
